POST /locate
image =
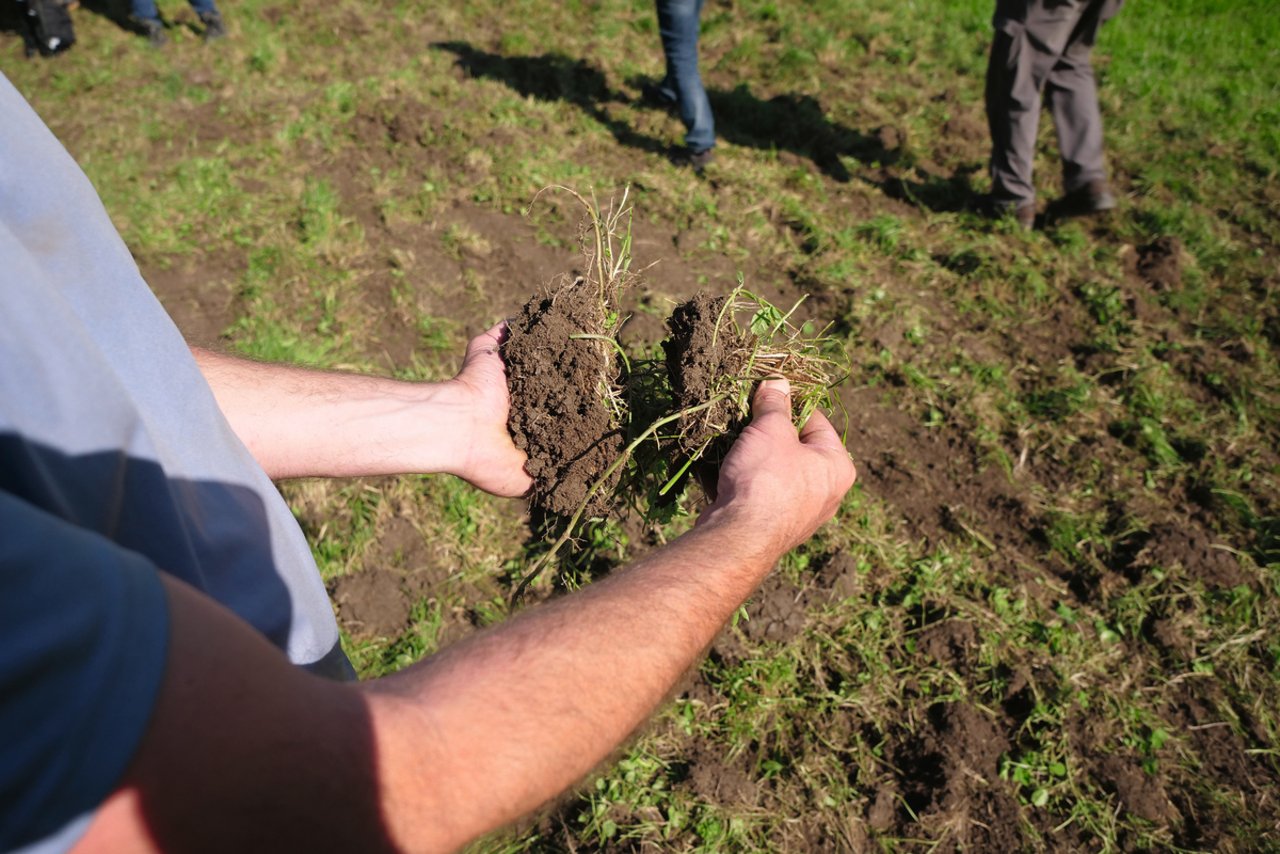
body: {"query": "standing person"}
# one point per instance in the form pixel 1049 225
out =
pixel 146 16
pixel 163 628
pixel 1043 47
pixel 679 22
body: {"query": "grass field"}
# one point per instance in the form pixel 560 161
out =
pixel 1047 617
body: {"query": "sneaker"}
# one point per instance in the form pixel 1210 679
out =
pixel 698 161
pixel 153 29
pixel 213 26
pixel 1091 198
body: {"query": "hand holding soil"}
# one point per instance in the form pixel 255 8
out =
pixel 490 460
pixel 783 484
pixel 602 427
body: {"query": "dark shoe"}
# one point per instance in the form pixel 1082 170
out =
pixel 653 95
pixel 1024 214
pixel 1092 198
pixel 153 29
pixel 213 26
pixel 698 161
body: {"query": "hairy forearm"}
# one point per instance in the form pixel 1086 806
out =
pixel 480 734
pixel 508 720
pixel 454 747
pixel 299 422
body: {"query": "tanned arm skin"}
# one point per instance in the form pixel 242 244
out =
pixel 247 753
pixel 303 423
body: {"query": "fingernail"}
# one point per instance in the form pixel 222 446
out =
pixel 780 384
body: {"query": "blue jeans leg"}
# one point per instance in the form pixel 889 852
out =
pixel 678 25
pixel 145 10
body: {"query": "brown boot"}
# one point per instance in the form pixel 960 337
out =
pixel 1091 198
pixel 1024 214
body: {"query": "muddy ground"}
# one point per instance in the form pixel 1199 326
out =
pixel 940 769
pixel 940 766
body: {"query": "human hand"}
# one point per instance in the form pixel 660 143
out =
pixel 783 485
pixel 489 459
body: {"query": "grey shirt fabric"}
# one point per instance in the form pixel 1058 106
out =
pixel 107 426
pixel 107 420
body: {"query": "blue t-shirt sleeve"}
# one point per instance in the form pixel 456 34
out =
pixel 84 631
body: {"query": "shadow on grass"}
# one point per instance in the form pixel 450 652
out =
pixel 793 123
pixel 938 193
pixel 554 77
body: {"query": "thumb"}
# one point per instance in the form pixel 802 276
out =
pixel 484 346
pixel 773 397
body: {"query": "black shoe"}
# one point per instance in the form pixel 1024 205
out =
pixel 153 29
pixel 653 95
pixel 213 26
pixel 698 161
pixel 1092 198
pixel 1024 214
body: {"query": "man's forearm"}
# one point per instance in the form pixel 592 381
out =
pixel 486 731
pixel 514 717
pixel 446 751
pixel 299 422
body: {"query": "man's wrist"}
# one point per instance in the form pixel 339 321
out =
pixel 437 427
pixel 747 531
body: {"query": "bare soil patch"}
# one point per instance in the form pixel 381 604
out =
pixel 198 292
pixel 938 483
pixel 1159 263
pixel 376 602
pixel 946 775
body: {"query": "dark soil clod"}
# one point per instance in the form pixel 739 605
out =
pixel 560 416
pixel 706 349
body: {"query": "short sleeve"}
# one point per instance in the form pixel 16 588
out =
pixel 84 631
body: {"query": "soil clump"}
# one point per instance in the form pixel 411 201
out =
pixel 559 382
pixel 706 352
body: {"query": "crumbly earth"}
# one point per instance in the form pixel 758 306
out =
pixel 700 360
pixel 559 414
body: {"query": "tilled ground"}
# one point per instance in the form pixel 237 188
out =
pixel 1046 619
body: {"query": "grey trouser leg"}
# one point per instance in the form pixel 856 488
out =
pixel 1043 46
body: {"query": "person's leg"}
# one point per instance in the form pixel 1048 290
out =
pixel 1013 115
pixel 1030 37
pixel 144 10
pixel 210 17
pixel 146 17
pixel 1072 93
pixel 678 25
